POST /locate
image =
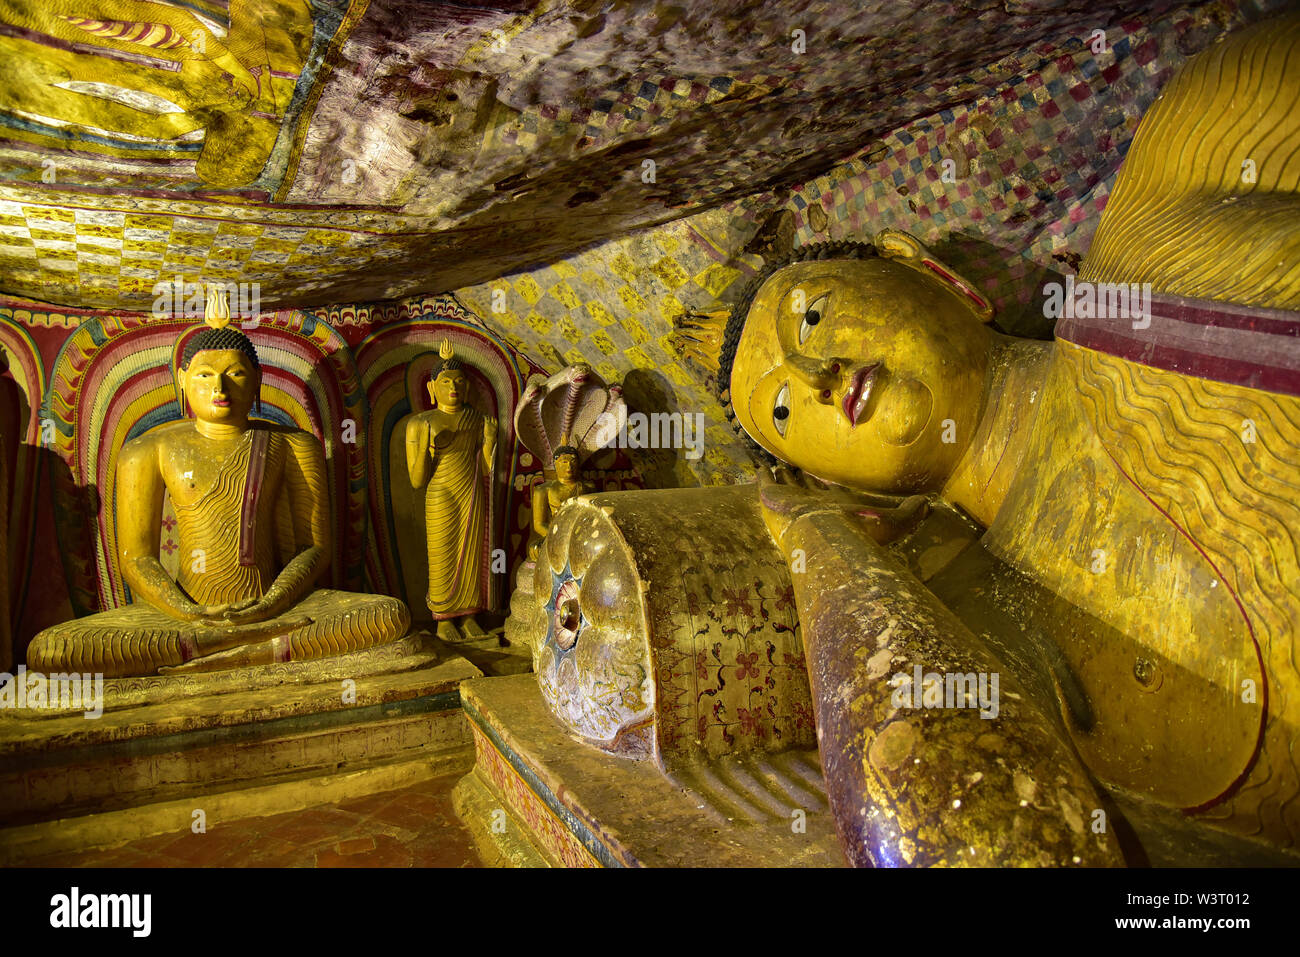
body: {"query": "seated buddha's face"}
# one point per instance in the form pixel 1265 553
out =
pixel 857 371
pixel 566 468
pixel 220 385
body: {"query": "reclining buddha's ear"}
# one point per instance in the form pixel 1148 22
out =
pixel 906 248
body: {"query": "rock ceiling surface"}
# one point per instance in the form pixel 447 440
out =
pixel 345 150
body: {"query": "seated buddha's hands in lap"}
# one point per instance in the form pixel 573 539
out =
pixel 211 637
pixel 219 614
pixel 247 612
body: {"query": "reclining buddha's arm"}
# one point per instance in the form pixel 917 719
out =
pixel 912 777
pixel 139 501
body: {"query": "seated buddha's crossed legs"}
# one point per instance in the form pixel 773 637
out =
pixel 139 640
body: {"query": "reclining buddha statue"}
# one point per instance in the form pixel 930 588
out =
pixel 251 506
pixel 1112 519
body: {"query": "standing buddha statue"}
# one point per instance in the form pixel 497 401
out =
pixel 450 452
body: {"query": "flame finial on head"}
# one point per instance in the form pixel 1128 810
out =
pixel 219 334
pixel 216 308
pixel 698 336
pixel 447 359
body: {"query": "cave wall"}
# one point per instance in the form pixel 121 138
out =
pixel 1007 188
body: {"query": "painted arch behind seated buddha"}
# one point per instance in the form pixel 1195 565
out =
pixel 113 381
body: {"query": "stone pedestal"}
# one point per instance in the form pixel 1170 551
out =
pixel 537 797
pixel 237 743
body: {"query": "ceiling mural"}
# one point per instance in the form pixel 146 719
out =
pixel 357 151
pixel 159 96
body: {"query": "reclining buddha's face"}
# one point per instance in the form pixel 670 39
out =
pixel 869 373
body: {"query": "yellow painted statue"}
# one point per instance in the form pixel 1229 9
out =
pixel 251 507
pixel 559 420
pixel 1113 520
pixel 450 452
pixel 550 495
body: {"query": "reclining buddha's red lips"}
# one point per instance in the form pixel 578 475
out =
pixel 859 393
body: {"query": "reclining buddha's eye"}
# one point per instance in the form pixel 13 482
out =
pixel 781 411
pixel 812 315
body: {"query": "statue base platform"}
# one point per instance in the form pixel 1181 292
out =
pixel 537 798
pixel 236 743
pixel 491 650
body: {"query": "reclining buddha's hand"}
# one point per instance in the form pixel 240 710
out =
pixel 788 496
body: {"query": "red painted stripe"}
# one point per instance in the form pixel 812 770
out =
pixel 44 39
pixel 958 283
pixel 1270 378
pixel 252 492
pixel 1226 316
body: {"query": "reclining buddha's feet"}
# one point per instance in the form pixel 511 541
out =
pixel 140 640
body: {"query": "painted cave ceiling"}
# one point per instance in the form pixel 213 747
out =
pixel 345 150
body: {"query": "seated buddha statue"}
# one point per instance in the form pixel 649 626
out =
pixel 251 507
pixel 548 496
pixel 1113 521
pixel 561 421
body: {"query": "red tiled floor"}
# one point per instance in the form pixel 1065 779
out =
pixel 412 827
pixel 311 826
pixel 400 813
pixel 378 851
pixel 370 802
